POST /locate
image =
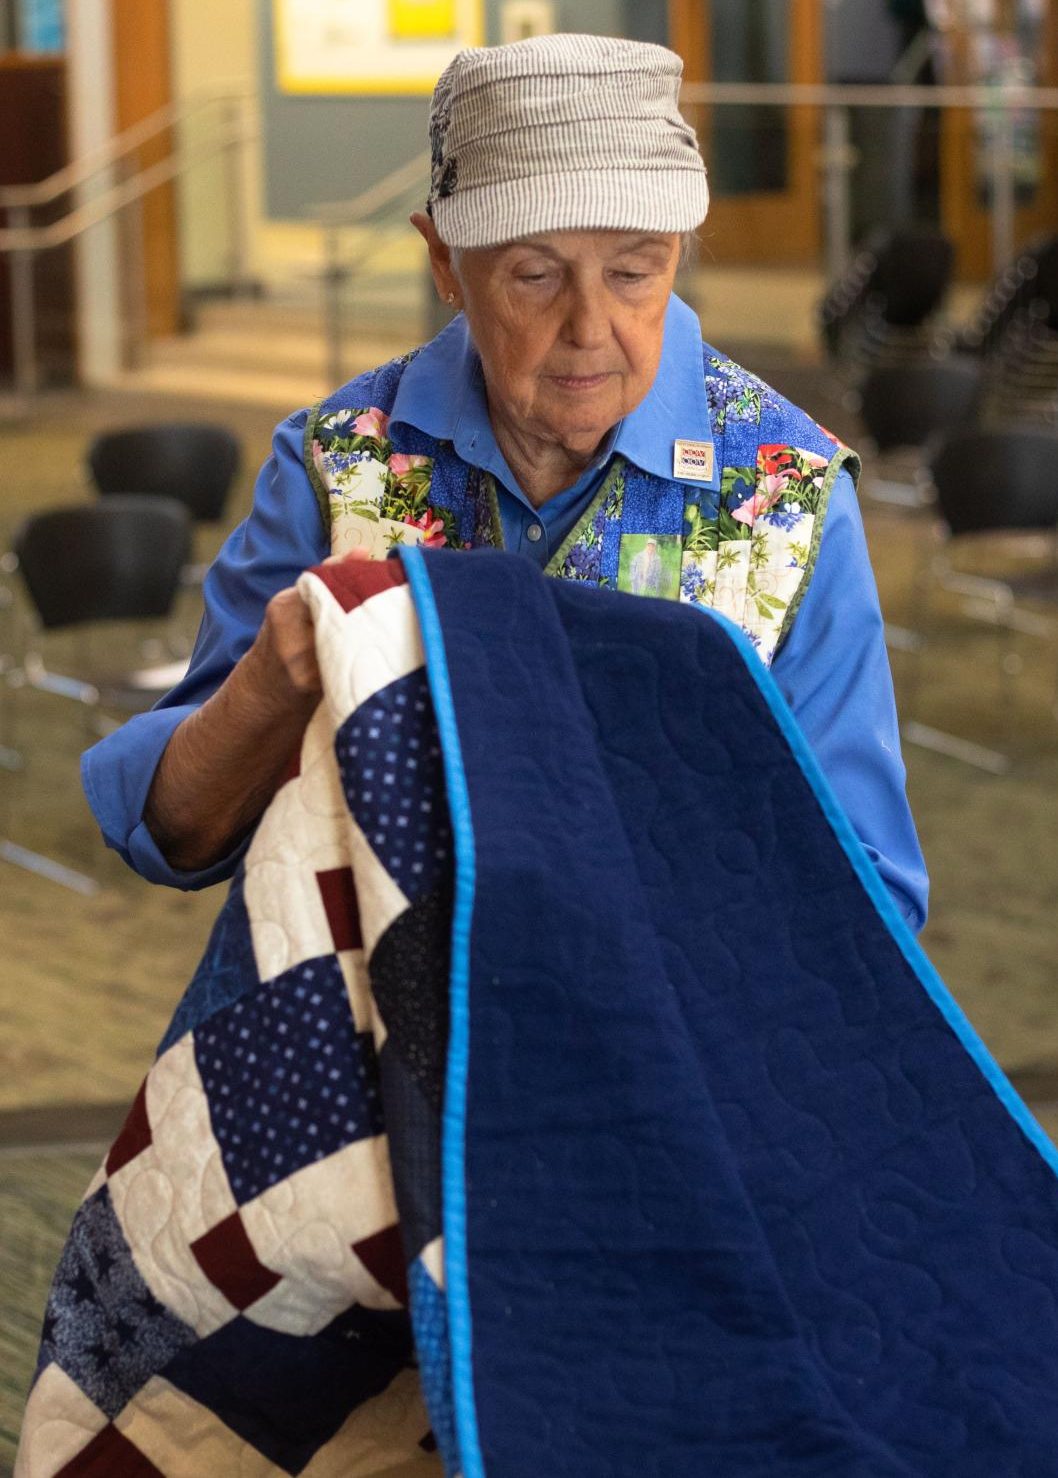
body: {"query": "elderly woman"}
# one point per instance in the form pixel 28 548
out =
pixel 569 412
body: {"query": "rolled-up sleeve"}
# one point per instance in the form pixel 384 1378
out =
pixel 283 535
pixel 834 672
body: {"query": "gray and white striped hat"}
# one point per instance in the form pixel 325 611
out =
pixel 562 133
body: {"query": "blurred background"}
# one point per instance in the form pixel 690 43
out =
pixel 203 223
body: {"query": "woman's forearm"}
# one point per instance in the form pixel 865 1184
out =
pixel 225 762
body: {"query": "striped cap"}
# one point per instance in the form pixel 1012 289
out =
pixel 562 133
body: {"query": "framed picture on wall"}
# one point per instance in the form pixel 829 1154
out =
pixel 371 46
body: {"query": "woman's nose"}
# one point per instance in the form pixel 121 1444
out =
pixel 588 325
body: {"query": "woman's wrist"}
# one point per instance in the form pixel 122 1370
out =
pixel 224 763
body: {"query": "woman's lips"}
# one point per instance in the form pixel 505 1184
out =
pixel 579 382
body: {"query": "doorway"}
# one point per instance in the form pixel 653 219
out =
pixel 762 159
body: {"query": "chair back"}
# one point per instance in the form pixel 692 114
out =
pixel 1044 285
pixel 907 405
pixel 119 559
pixel 193 461
pixel 895 280
pixel 912 274
pixel 988 481
pixel 1024 290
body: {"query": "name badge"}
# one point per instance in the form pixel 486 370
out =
pixel 693 460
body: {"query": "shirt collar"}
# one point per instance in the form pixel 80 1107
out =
pixel 442 394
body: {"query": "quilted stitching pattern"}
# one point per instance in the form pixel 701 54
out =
pixel 742 1194
pixel 233 1296
pixel 743 1199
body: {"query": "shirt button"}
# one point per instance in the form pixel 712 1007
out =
pixel 534 532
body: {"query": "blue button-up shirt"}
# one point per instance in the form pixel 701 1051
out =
pixel 832 669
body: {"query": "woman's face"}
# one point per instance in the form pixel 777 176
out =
pixel 569 328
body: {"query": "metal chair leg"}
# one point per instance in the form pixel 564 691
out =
pixel 11 851
pixel 912 730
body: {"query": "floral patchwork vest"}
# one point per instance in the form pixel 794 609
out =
pixel 745 544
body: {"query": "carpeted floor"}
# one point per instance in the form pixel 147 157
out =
pixel 89 983
pixel 38 1192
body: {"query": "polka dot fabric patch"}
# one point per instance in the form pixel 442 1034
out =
pixel 389 756
pixel 288 1077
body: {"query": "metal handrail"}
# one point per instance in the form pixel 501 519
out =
pixel 836 158
pixel 1000 102
pixel 96 161
pixel 334 218
pixel 872 95
pixel 24 241
pixel 114 200
pixel 390 188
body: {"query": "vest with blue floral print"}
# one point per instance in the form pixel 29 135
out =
pixel 747 549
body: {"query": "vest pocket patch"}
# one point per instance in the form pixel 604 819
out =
pixel 649 564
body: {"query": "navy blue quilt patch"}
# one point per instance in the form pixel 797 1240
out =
pixel 103 1325
pixel 269 1065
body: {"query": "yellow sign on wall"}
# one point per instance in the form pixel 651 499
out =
pixel 422 20
pixel 371 46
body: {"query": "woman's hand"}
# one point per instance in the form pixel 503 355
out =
pixel 226 760
pixel 281 665
pixel 282 661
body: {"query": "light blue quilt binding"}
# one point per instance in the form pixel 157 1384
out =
pixel 453 1132
pixel 882 900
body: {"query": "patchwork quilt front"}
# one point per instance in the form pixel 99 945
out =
pixel 559 1094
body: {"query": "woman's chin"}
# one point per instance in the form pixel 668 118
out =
pixel 580 423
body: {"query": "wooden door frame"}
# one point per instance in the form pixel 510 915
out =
pixel 142 85
pixel 742 229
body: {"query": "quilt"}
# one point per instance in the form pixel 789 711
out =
pixel 560 1093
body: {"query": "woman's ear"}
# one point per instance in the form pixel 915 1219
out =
pixel 444 277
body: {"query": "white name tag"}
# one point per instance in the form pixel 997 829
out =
pixel 693 460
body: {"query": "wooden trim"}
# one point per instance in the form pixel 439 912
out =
pixel 141 86
pixel 689 36
pixel 746 229
pixel 1049 47
pixel 26 61
pixel 34 126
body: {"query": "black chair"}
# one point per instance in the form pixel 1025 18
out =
pixel 912 273
pixel 1015 332
pixel 1027 287
pixel 997 481
pixel 879 310
pixel 911 405
pixel 82 567
pixel 193 462
pixel 117 560
pixel 905 409
pixel 994 489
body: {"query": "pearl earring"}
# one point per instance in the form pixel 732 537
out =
pixel 451 298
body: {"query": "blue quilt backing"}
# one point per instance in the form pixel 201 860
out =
pixel 560 1093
